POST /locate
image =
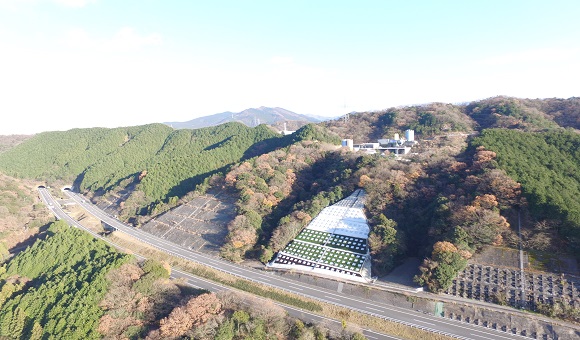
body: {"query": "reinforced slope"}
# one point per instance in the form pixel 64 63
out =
pixel 333 244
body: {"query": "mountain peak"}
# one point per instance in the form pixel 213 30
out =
pixel 249 117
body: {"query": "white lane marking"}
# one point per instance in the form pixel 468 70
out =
pixel 193 285
pixel 489 332
pixel 333 320
pixel 378 310
pixel 383 335
pixel 428 323
pixel 293 285
pixel 330 297
pixel 371 337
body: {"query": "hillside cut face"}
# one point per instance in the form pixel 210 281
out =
pixel 200 224
pixel 334 244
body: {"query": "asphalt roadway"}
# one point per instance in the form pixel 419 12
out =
pixel 431 323
pixel 333 325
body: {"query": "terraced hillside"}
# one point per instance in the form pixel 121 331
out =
pixel 200 224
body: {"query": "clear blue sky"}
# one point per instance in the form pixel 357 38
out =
pixel 85 63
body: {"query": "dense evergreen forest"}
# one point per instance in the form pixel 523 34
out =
pixel 547 165
pixel 65 155
pixel 161 162
pixel 52 290
pixel 72 286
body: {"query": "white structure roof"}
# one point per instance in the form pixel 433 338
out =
pixel 345 217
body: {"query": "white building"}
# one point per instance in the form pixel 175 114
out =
pixel 396 146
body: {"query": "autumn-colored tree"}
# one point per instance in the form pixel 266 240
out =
pixel 124 307
pixel 508 193
pixel 481 221
pixel 272 316
pixel 364 180
pixel 302 216
pixel 242 237
pixel 176 324
pixel 444 246
pixel 203 307
pixel 197 311
pixel 286 232
pixel 242 231
pixel 438 272
pixel 485 201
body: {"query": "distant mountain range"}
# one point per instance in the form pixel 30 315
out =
pixel 250 117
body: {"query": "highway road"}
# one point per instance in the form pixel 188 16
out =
pixel 201 283
pixel 379 309
pixel 301 314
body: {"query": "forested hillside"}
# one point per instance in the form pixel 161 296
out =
pixel 280 192
pixel 67 154
pixel 511 113
pixel 72 286
pixel 161 162
pixel 456 203
pixel 445 204
pixel 426 120
pixel 21 213
pixel 439 118
pixel 526 114
pixel 431 201
pixel 452 197
pixel 52 290
pixel 188 156
pixel 548 167
pixel 448 202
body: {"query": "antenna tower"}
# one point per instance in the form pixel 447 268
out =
pixel 346 115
